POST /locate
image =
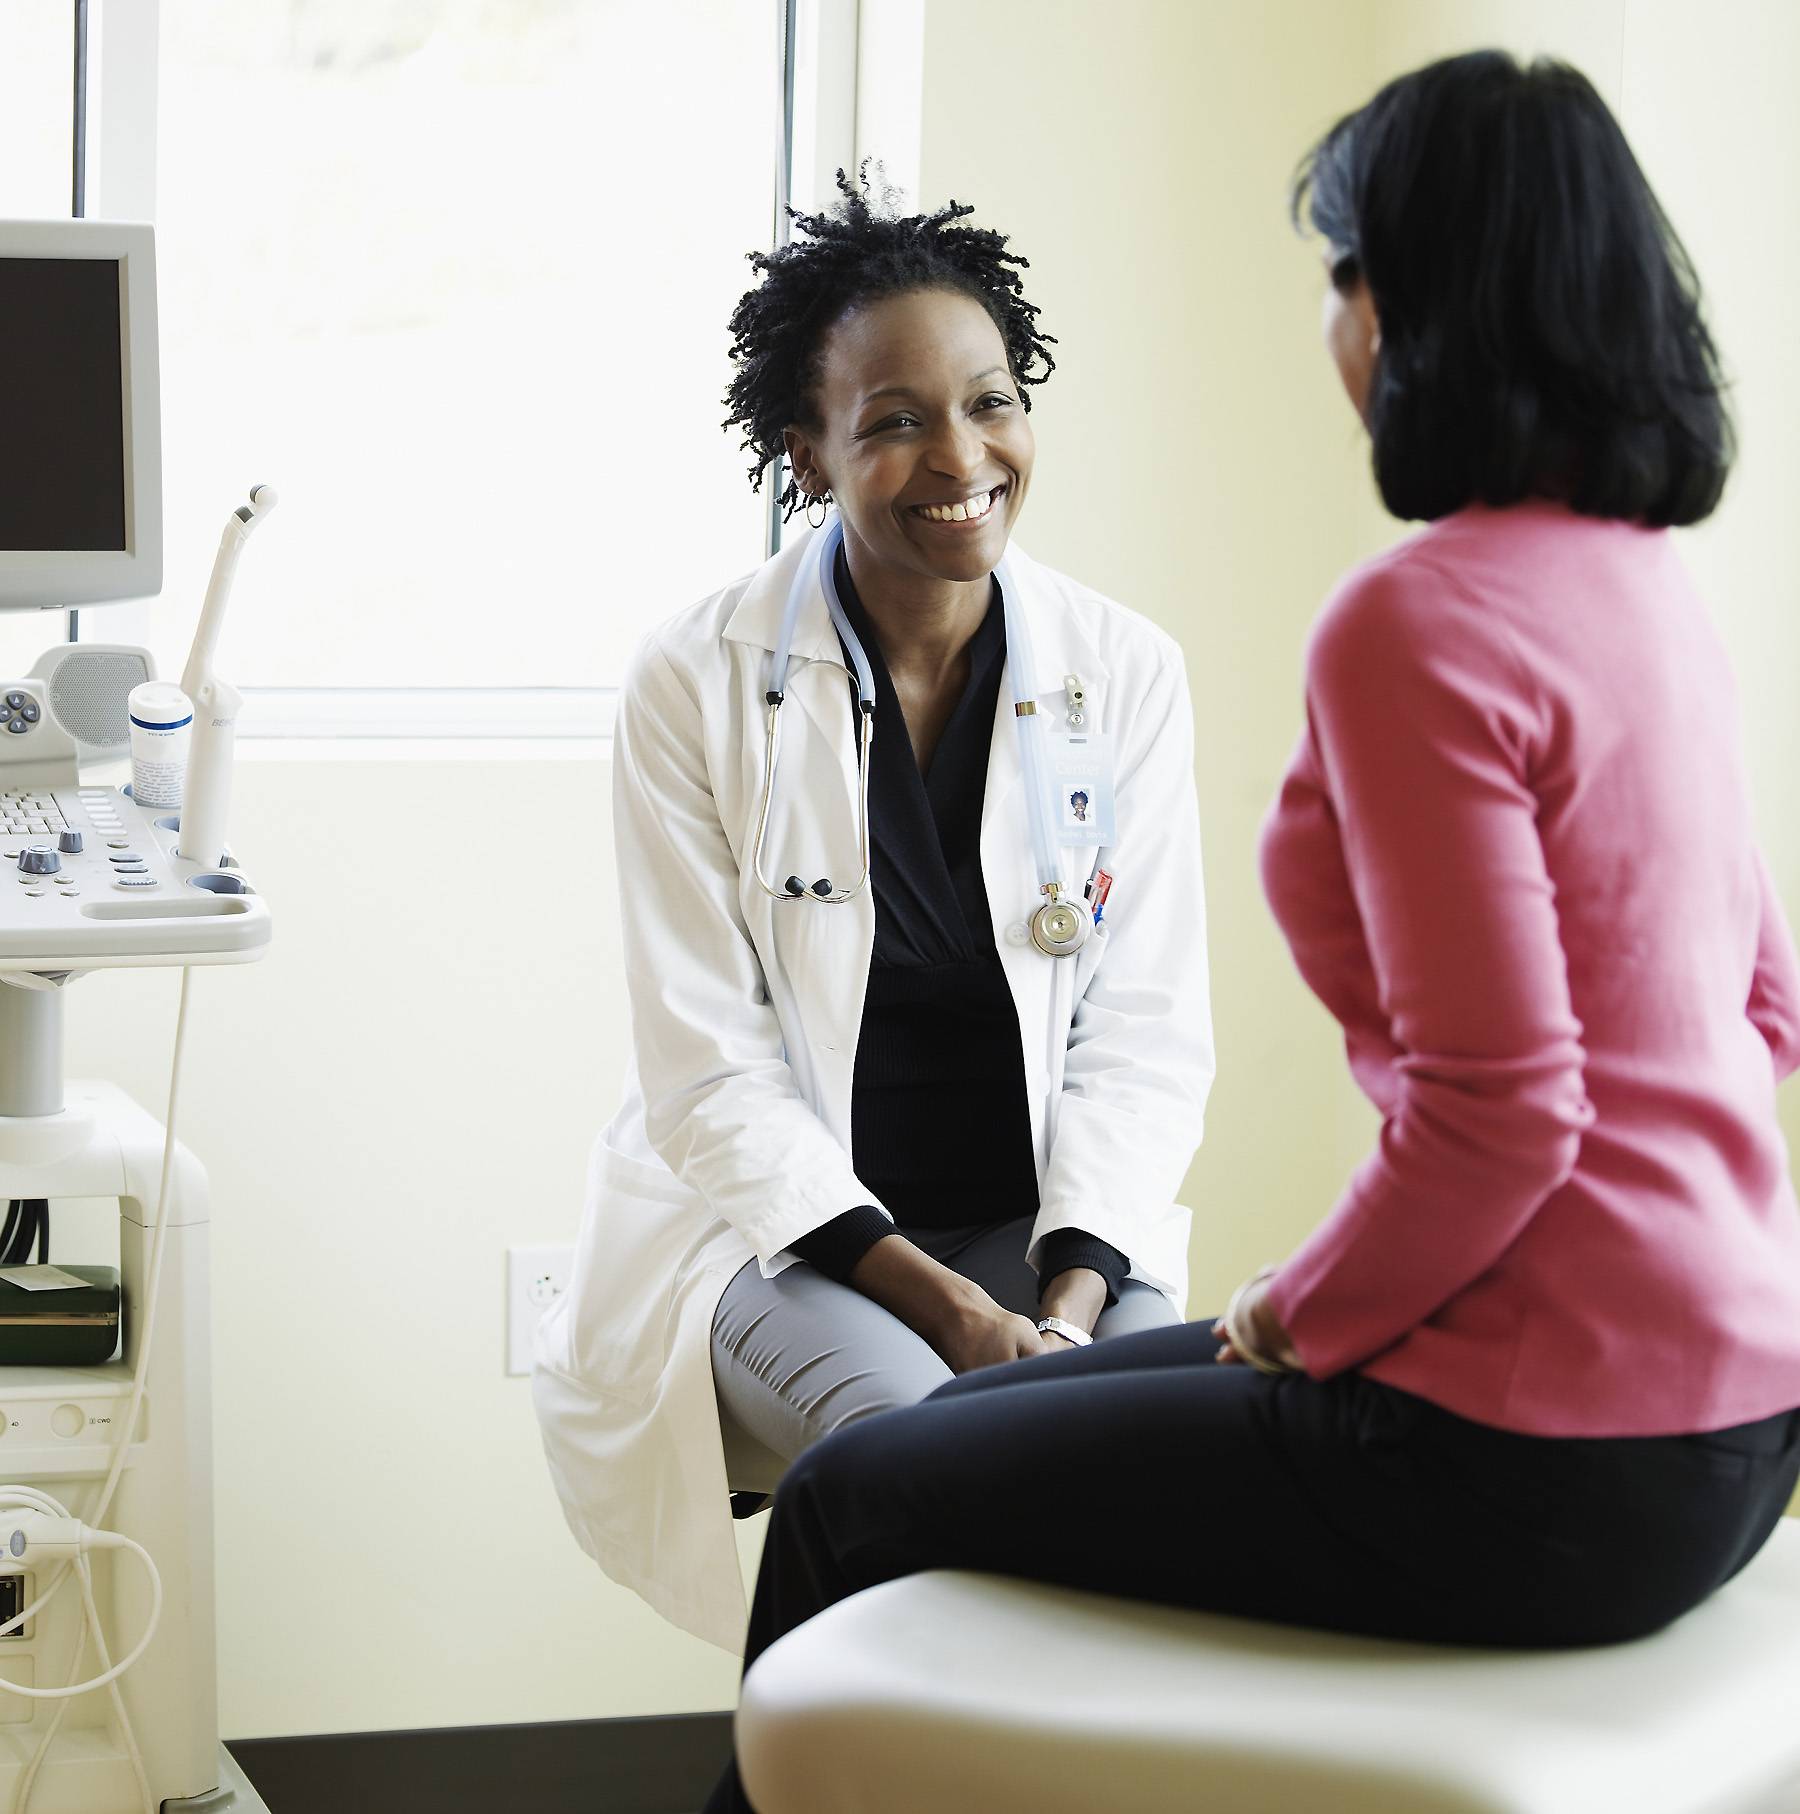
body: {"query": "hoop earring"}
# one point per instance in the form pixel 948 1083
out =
pixel 823 500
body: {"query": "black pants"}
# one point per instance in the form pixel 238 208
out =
pixel 1140 1468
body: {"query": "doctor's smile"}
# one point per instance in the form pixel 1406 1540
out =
pixel 971 509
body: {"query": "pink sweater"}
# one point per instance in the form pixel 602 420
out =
pixel 1514 858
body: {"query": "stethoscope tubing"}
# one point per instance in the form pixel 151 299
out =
pixel 1022 670
pixel 771 759
pixel 780 662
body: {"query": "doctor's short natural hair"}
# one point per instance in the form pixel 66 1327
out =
pixel 853 253
pixel 1541 329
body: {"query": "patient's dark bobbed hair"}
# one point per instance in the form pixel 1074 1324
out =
pixel 1541 329
pixel 853 254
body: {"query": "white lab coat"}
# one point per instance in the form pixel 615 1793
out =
pixel 734 1136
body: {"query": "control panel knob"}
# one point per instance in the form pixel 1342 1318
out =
pixel 69 843
pixel 39 860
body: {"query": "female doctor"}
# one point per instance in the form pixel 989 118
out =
pixel 899 1109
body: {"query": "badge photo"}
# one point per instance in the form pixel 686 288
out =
pixel 1081 768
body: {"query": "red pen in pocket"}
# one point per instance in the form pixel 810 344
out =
pixel 1099 886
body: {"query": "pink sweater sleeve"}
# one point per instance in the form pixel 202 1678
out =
pixel 1775 990
pixel 1423 727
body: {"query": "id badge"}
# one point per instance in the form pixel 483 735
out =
pixel 1081 777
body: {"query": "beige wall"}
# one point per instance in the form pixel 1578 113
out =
pixel 406 1085
pixel 1195 457
pixel 409 1083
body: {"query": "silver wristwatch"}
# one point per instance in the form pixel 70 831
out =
pixel 1073 1332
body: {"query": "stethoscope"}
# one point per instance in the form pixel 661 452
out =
pixel 1061 925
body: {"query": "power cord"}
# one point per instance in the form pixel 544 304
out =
pixel 27 1223
pixel 47 1531
pixel 60 1535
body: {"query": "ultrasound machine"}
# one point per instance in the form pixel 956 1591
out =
pixel 108 1691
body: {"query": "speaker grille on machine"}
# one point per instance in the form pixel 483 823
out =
pixel 88 691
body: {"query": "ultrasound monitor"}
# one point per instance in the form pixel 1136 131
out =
pixel 80 423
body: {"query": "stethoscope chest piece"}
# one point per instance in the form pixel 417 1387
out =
pixel 1060 928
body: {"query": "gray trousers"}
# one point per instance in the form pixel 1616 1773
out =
pixel 798 1356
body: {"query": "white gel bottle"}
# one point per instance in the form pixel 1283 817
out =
pixel 162 723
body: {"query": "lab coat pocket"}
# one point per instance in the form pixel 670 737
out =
pixel 638 1232
pixel 1087 959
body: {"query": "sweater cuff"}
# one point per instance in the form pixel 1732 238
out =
pixel 836 1246
pixel 1064 1249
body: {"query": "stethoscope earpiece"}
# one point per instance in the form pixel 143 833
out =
pixel 822 887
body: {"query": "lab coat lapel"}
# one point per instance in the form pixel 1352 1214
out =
pixel 1010 878
pixel 1038 983
pixel 821 954
pixel 756 621
pixel 1061 646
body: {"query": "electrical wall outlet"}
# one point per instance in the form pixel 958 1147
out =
pixel 535 1278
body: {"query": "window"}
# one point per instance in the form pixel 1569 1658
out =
pixel 37 111
pixel 454 276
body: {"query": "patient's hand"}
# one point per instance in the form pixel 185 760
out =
pixel 1264 1329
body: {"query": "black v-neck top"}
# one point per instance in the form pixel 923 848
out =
pixel 940 1123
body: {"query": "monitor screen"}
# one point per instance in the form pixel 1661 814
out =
pixel 62 409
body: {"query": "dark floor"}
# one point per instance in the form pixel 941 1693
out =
pixel 663 1765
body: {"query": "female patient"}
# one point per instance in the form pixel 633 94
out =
pixel 1533 1380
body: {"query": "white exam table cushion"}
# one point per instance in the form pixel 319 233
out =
pixel 957 1692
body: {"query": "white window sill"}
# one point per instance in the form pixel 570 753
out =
pixel 483 716
pixel 424 749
